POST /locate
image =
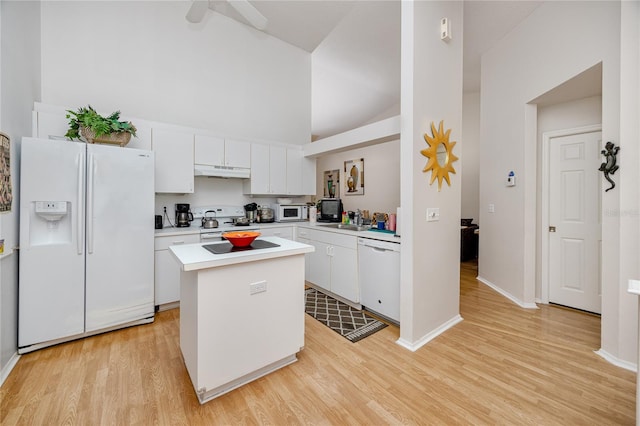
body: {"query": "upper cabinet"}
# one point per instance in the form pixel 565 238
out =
pixel 49 125
pixel 294 171
pixel 214 151
pixel 174 160
pixel 268 170
pixel 278 170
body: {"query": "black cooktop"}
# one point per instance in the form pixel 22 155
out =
pixel 226 247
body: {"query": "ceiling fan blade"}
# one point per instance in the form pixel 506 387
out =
pixel 250 13
pixel 197 10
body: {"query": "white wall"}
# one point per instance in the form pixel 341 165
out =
pixel 566 115
pixel 520 68
pixel 431 91
pixel 624 332
pixel 382 177
pixel 213 191
pixel 469 160
pixel 145 59
pixel 20 87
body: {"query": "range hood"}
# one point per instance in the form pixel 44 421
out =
pixel 221 171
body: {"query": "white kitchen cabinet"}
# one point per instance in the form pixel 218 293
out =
pixel 308 176
pixel 277 231
pixel 306 256
pixel 320 265
pixel 294 172
pixel 268 170
pixel 48 125
pixel 344 272
pixel 174 160
pixel 142 140
pixel 167 269
pixel 333 265
pixel 214 151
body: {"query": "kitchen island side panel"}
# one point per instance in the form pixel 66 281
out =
pixel 189 323
pixel 239 333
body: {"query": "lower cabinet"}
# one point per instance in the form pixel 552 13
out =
pixel 285 232
pixel 333 265
pixel 167 269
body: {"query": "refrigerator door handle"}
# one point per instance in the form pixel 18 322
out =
pixel 90 204
pixel 79 205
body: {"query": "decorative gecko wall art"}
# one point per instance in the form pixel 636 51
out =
pixel 609 167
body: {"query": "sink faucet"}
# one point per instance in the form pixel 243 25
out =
pixel 358 217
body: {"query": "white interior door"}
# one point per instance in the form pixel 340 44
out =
pixel 574 221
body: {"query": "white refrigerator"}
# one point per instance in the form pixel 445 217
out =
pixel 86 240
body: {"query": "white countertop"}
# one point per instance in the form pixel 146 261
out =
pixel 194 257
pixel 375 235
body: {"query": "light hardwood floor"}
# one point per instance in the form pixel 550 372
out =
pixel 501 365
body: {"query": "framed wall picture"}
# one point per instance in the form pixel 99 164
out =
pixel 6 195
pixel 354 177
pixel 332 184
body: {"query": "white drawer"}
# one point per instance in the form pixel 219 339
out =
pixel 329 237
pixel 163 243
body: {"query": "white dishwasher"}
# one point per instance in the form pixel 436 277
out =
pixel 379 276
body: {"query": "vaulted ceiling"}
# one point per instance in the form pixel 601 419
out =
pixel 355 48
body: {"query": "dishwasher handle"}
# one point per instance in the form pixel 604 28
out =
pixel 378 245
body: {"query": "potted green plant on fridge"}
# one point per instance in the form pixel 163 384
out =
pixel 93 127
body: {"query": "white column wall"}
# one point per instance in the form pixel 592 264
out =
pixel 431 91
pixel 626 335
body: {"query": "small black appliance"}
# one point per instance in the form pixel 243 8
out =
pixel 183 215
pixel 158 221
pixel 330 210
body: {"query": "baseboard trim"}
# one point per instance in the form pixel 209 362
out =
pixel 616 361
pixel 507 295
pixel 429 336
pixel 6 370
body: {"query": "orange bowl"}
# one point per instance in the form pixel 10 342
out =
pixel 240 238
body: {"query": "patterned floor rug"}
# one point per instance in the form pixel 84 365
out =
pixel 349 322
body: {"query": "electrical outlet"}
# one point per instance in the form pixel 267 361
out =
pixel 257 287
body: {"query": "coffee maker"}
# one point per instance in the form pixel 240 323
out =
pixel 183 215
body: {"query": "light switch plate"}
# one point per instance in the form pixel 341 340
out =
pixel 433 214
pixel 492 208
pixel 257 287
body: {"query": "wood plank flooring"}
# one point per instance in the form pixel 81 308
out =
pixel 501 365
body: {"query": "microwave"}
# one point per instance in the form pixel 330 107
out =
pixel 290 212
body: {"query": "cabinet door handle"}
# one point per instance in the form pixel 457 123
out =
pixel 173 243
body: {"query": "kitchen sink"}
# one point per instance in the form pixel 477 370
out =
pixel 349 227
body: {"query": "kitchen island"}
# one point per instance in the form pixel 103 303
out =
pixel 241 313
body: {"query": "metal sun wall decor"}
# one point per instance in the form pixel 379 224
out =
pixel 609 167
pixel 440 154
